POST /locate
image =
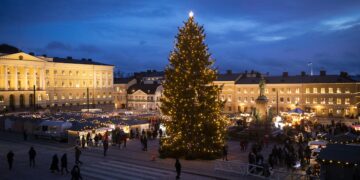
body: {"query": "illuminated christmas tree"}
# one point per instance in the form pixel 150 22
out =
pixel 195 127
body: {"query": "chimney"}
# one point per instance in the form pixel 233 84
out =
pixel 228 71
pixel 303 73
pixel 322 73
pixel 285 74
pixel 69 57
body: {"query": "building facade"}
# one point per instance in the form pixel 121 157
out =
pixel 26 80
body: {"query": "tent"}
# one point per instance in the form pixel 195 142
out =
pixel 296 110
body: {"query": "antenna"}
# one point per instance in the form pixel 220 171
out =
pixel 311 68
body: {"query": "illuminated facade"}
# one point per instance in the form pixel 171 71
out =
pixel 326 95
pixel 58 82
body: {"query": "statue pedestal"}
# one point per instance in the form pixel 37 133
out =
pixel 261 107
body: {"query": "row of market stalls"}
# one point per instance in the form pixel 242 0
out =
pixel 69 126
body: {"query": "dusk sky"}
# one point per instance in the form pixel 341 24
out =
pixel 135 35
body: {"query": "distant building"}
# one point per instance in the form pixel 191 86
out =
pixel 58 82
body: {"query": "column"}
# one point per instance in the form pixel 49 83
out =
pixel 26 71
pixel 34 78
pixel 16 78
pixel 101 77
pixel 6 77
pixel 42 79
pixel 107 80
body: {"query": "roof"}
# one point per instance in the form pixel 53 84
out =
pixel 77 61
pixel 146 88
pixel 228 77
pixel 122 80
pixel 296 79
pixel 336 152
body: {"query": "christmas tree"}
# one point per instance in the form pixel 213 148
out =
pixel 195 127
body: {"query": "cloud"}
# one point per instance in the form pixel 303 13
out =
pixel 56 45
pixel 269 38
pixel 342 23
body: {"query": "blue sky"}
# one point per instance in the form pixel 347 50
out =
pixel 268 36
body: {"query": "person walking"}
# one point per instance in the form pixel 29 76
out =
pixel 83 142
pixel 125 139
pixel 178 168
pixel 10 158
pixel 225 152
pixel 77 155
pixel 106 146
pixel 75 173
pixel 145 143
pixel 64 164
pixel 32 155
pixel 54 164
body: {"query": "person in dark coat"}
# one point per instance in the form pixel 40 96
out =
pixel 178 168
pixel 54 164
pixel 225 152
pixel 83 142
pixel 145 143
pixel 64 164
pixel 106 146
pixel 32 155
pixel 75 173
pixel 77 155
pixel 160 133
pixel 10 158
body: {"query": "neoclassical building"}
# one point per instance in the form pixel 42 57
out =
pixel 55 82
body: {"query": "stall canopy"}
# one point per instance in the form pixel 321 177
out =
pixel 340 152
pixel 62 125
pixel 297 110
pixel 342 138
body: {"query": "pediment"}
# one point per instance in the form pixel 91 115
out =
pixel 21 56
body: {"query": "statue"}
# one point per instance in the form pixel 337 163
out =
pixel 262 87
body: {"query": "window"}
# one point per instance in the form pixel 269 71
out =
pixel 229 108
pixel 330 101
pixel 338 101
pixel 70 73
pixel 47 72
pixel 282 91
pixel 314 100
pixel 288 91
pixel 47 97
pixel 273 90
pixel 239 99
pixel 245 99
pixel 322 100
pixel 84 95
pixel 338 90
pixel 307 100
pixel 245 91
pixel 70 96
pixel 62 97
pixel 55 96
pixel 331 90
pixel 297 90
pixel 252 91
pixel 1 98
pixel 63 84
pixel 267 91
pixel 110 96
pixel 288 100
pixel 98 96
pixel 281 99
pixel 117 89
pixel 322 90
pixel 252 100
pixel 314 90
pixel 77 96
pixel 347 90
pixel 229 98
pixel 297 100
pixel 331 110
pixel 307 90
pixel 62 72
pixel 239 90
pixel 338 111
pixel 222 98
pixel 55 72
pixel 347 101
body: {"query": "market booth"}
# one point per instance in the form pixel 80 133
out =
pixel 52 129
pixel 80 129
pixel 339 162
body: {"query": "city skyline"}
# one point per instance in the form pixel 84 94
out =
pixel 135 36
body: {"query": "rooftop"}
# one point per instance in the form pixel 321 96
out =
pixel 78 61
pixel 146 88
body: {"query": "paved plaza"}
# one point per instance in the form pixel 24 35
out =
pixel 120 163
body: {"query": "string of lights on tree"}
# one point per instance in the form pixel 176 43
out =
pixel 196 127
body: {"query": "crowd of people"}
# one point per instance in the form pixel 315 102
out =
pixel 54 166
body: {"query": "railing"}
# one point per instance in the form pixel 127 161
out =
pixel 237 168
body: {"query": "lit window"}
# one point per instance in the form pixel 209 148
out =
pixel 288 90
pixel 70 96
pixel 252 100
pixel 281 90
pixel 322 100
pixel 47 97
pixel 330 101
pixel 331 90
pixel 314 90
pixel 338 111
pixel 245 99
pixel 55 96
pixel 239 99
pixel 297 90
pixel 62 97
pixel 347 101
pixel 338 90
pixel 229 98
pixel 84 95
pixel 1 98
pixel 297 100
pixel 307 100
pixel 314 100
pixel 338 101
pixel 347 90
pixel 281 99
pixel 245 91
pixel 288 100
pixel 239 90
pixel 322 90
pixel 252 91
pixel 307 90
